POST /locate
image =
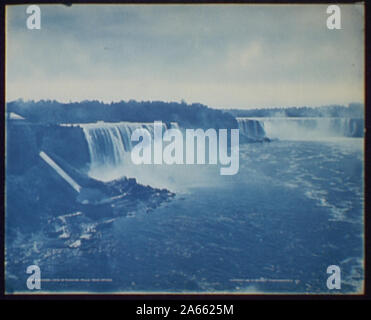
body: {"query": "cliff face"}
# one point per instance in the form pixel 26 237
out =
pixel 35 191
pixel 25 140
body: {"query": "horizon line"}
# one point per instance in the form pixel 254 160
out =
pixel 182 101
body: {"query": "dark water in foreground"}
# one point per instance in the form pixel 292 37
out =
pixel 294 208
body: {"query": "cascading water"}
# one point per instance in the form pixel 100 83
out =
pixel 302 128
pixel 109 147
pixel 109 143
pixel 251 128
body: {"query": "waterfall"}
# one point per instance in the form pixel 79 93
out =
pixel 110 146
pixel 110 143
pixel 302 128
pixel 251 128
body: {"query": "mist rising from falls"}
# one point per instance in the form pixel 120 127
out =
pixel 302 128
pixel 251 128
pixel 110 149
pixel 110 143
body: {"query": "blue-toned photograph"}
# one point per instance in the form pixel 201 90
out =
pixel 184 149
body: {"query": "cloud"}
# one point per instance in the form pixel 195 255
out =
pixel 221 55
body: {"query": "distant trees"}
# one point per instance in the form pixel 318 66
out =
pixel 193 115
pixel 353 110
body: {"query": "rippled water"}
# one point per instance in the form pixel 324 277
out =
pixel 293 209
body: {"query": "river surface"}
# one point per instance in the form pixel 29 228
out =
pixel 293 209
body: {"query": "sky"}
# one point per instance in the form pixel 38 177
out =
pixel 224 56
